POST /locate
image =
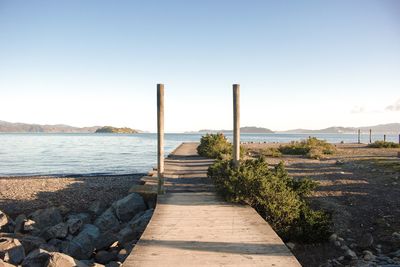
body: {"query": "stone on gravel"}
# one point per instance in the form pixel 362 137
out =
pixel 36 258
pixel 29 226
pixel 105 240
pixel 333 238
pixel 122 255
pixel 396 235
pixel 126 234
pixel 128 206
pixel 366 241
pixel 19 223
pixel 97 207
pixel 107 221
pixel 46 217
pixel 11 250
pixel 6 223
pixel 83 245
pixel 5 264
pixel 114 264
pixel 139 224
pixel 62 260
pixel 350 255
pixel 57 231
pixel 368 255
pixel 84 217
pixel 31 243
pixel 104 256
pixel 74 225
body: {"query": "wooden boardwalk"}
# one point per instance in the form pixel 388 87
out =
pixel 192 226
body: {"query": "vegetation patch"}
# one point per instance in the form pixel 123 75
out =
pixel 384 144
pixel 311 147
pixel 270 152
pixel 276 196
pixel 216 146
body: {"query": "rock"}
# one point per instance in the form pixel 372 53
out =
pixel 104 256
pixel 139 224
pixel 368 255
pixel 105 240
pixel 57 231
pixel 19 223
pixel 396 235
pixel 126 234
pixel 337 244
pixel 83 245
pixel 11 250
pixel 31 243
pixel 333 238
pixel 366 241
pixel 350 255
pixel 5 264
pixel 46 217
pixel 107 221
pixel 97 207
pixel 29 226
pixel 290 245
pixel 6 224
pixel 62 260
pixel 36 258
pixel 49 248
pixel 122 255
pixel 128 206
pixel 74 225
pixel 84 217
pixel 114 264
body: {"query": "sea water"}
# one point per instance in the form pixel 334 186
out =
pixel 23 154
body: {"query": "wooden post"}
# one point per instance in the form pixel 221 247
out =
pixel 160 137
pixel 359 136
pixel 384 138
pixel 399 139
pixel 370 136
pixel 236 124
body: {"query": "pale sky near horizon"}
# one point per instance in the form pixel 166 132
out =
pixel 301 64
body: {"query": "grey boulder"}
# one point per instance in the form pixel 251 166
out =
pixel 46 217
pixel 11 250
pixel 83 245
pixel 128 206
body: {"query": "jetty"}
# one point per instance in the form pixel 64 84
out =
pixel 193 226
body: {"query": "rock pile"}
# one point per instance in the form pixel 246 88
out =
pixel 54 237
pixel 363 253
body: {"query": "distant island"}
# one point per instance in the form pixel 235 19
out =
pixel 10 127
pixel 390 128
pixel 109 129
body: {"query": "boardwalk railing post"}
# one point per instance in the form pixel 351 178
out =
pixel 384 138
pixel 359 136
pixel 160 137
pixel 370 136
pixel 236 124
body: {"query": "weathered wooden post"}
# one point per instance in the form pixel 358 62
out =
pixel 359 136
pixel 399 139
pixel 236 124
pixel 384 138
pixel 160 137
pixel 370 136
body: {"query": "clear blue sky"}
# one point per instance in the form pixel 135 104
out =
pixel 301 64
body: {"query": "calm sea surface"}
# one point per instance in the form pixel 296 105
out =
pixel 95 154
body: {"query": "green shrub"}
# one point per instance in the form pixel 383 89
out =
pixel 214 146
pixel 279 198
pixel 311 147
pixel 384 144
pixel 271 152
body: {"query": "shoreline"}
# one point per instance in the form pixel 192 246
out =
pixel 25 194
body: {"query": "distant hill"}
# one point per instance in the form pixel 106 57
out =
pixel 109 129
pixel 390 128
pixel 10 127
pixel 247 129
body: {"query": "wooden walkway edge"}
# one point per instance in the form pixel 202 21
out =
pixel 192 226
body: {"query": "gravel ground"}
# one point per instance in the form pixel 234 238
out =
pixel 359 186
pixel 26 194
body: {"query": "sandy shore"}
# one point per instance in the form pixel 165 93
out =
pixel 26 194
